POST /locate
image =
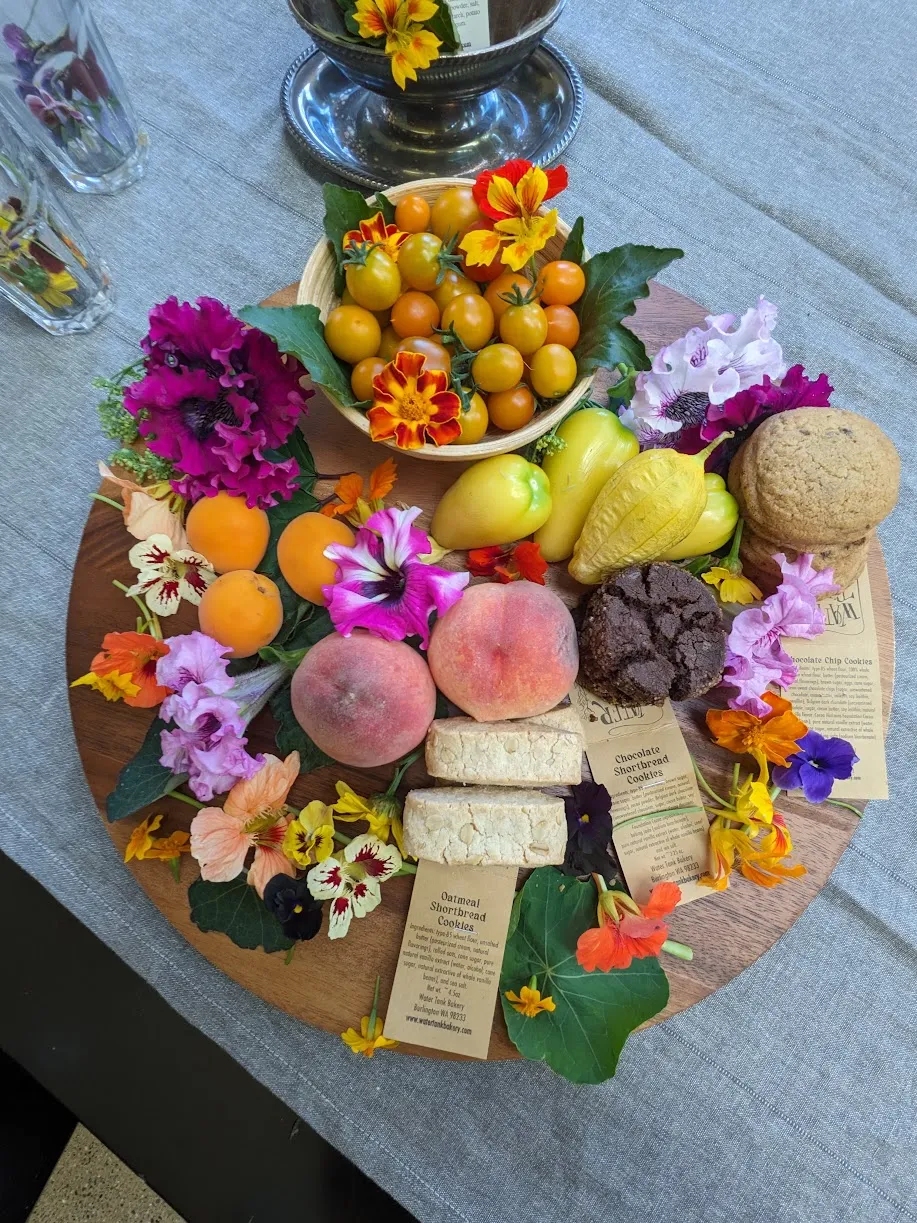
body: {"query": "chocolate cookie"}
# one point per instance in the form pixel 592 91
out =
pixel 815 477
pixel 651 632
pixel 757 555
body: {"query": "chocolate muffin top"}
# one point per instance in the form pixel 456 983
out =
pixel 651 632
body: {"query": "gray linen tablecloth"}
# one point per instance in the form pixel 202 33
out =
pixel 774 142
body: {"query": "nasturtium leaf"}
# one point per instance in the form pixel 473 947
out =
pixel 384 205
pixel 595 1011
pixel 143 779
pixel 344 210
pixel 290 736
pixel 614 281
pixel 442 25
pixel 235 910
pixel 300 331
pixel 574 249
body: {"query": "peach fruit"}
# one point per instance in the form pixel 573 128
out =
pixel 505 651
pixel 300 553
pixel 243 610
pixel 362 700
pixel 231 534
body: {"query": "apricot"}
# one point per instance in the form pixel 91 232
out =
pixel 362 700
pixel 228 532
pixel 243 610
pixel 505 651
pixel 300 553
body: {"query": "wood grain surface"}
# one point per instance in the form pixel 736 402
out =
pixel 330 984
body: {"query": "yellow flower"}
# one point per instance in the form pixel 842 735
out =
pixel 753 803
pixel 59 285
pixel 362 1042
pixel 142 838
pixel 529 1002
pixel 113 686
pixel 143 844
pixel 529 234
pixel 511 196
pixel 382 813
pixel 400 22
pixel 732 587
pixel 310 837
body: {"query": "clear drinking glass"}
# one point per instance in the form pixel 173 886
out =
pixel 58 85
pixel 47 268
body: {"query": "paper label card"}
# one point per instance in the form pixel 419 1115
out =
pixel 472 23
pixel 659 825
pixel 838 691
pixel 448 972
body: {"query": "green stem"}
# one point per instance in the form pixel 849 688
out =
pixel 406 868
pixel 150 619
pixel 402 769
pixel 288 958
pixel 533 268
pixel 733 554
pixel 709 790
pixel 836 802
pixel 371 1030
pixel 680 950
pixel 107 501
pixel 339 836
pixel 736 773
pixel 185 798
pixel 773 792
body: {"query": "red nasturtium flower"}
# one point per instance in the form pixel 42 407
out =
pixel 511 196
pixel 389 237
pixel 135 654
pixel 413 405
pixel 627 931
pixel 509 564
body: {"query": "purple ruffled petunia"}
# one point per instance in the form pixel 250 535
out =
pixel 756 403
pixel 818 764
pixel 209 742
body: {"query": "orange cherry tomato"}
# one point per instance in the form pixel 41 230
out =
pixel 563 326
pixel 483 272
pixel 505 283
pixel 389 342
pixel 362 374
pixel 412 214
pixel 498 367
pixel 471 318
pixel 474 422
pixel 561 282
pixel 525 327
pixel 511 409
pixel 435 356
pixel 415 314
pixel 453 212
pixel 382 316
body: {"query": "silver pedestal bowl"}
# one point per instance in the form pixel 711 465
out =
pixel 519 97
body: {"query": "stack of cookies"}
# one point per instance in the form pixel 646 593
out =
pixel 816 480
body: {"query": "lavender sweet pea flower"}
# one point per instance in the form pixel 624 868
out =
pixel 818 764
pixel 383 587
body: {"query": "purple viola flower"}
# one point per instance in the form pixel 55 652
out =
pixel 50 111
pixel 194 658
pixel 818 764
pixel 588 811
pixel 22 47
pixel 382 585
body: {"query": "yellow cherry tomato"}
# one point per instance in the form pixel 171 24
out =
pixel 472 319
pixel 435 356
pixel 505 283
pixel 561 282
pixel 454 212
pixel 498 367
pixel 412 214
pixel 352 333
pixel 348 299
pixel 375 283
pixel 362 374
pixel 525 327
pixel 512 409
pixel 453 284
pixel 415 313
pixel 474 422
pixel 553 371
pixel 563 326
pixel 419 262
pixel 389 342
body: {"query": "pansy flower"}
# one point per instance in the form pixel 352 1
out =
pixel 816 766
pixel 413 405
pixel 297 910
pixel 351 880
pixel 375 231
pixel 166 575
pixel 588 811
pixel 627 931
pixel 309 837
pixel 383 586
pixel 509 564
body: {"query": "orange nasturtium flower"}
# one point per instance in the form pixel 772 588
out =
pixel 511 196
pixel 773 737
pixel 126 667
pixel 400 22
pixel 143 844
pixel 413 405
pixel 627 931
pixel 375 231
pixel 510 563
pixel 349 489
pixel 761 863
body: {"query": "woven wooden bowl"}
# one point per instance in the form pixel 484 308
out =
pixel 317 288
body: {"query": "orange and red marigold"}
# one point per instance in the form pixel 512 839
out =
pixel 413 405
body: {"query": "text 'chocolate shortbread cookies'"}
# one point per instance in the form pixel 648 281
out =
pixel 651 632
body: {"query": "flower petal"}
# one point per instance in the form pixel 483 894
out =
pixel 218 844
pixel 267 863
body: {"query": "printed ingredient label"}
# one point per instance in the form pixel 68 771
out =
pixel 472 23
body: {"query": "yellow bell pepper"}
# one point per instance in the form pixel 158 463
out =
pixel 715 526
pixel 496 501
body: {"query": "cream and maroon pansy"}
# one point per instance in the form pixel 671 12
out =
pixel 351 880
pixel 166 575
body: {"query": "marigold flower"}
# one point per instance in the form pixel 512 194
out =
pixel 773 737
pixel 627 931
pixel 389 237
pixel 529 1002
pixel 413 405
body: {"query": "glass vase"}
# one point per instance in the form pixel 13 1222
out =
pixel 47 268
pixel 58 85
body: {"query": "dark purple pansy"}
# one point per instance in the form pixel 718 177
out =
pixel 589 851
pixel 294 906
pixel 818 764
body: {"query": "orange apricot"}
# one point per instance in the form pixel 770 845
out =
pixel 228 532
pixel 300 552
pixel 242 610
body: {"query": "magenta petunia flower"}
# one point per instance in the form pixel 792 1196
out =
pixel 795 390
pixel 216 398
pixel 383 587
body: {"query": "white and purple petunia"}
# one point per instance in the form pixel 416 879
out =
pixel 383 587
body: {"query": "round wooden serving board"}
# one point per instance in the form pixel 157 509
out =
pixel 330 984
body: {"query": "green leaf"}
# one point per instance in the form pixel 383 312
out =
pixel 290 736
pixel 386 207
pixel 299 330
pixel 290 658
pixel 234 909
pixel 310 629
pixel 143 779
pixel 344 210
pixel 595 1011
pixel 614 281
pixel 573 247
pixel 443 26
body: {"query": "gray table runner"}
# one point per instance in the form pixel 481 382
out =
pixel 774 142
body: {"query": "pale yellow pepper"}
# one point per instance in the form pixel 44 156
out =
pixel 496 501
pixel 715 526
